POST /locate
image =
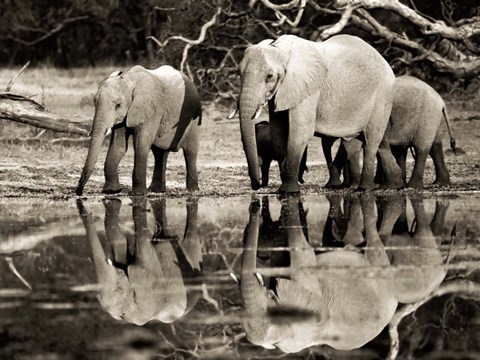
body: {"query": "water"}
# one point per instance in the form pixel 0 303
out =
pixel 337 276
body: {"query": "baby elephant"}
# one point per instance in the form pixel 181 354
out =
pixel 266 153
pixel 414 122
pixel 161 110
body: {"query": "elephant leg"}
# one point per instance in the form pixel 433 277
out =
pixel 352 148
pixel 190 152
pixel 303 167
pixel 279 134
pixel 117 149
pixel 416 180
pixel 442 177
pixel 392 173
pixel 400 154
pixel 265 167
pixel 334 167
pixel 301 127
pixel 439 218
pixel 142 142
pixel 158 180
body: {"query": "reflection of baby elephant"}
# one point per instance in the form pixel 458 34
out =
pixel 266 152
pixel 141 273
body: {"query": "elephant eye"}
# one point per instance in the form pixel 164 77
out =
pixel 117 106
pixel 269 77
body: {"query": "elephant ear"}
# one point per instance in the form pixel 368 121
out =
pixel 147 96
pixel 305 71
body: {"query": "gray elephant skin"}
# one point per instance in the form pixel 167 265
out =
pixel 161 109
pixel 417 113
pixel 266 153
pixel 341 87
pixel 140 270
pixel 345 309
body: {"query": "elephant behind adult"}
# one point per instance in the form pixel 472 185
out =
pixel 341 87
pixel 266 153
pixel 161 109
pixel 417 113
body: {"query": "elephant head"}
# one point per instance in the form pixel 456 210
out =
pixel 144 282
pixel 275 71
pixel 123 99
pixel 304 306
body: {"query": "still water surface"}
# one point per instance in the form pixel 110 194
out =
pixel 336 276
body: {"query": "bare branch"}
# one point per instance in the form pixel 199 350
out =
pixel 292 4
pixel 442 64
pixel 189 42
pixel 335 29
pixel 426 26
pixel 10 83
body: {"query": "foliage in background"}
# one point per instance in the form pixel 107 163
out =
pixel 429 39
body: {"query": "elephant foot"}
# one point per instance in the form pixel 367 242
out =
pixel 442 182
pixel 392 184
pixel 157 188
pixel 193 188
pixel 289 189
pixel 366 186
pixel 112 189
pixel 415 184
pixel 138 192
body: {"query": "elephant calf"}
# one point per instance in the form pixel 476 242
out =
pixel 266 152
pixel 161 108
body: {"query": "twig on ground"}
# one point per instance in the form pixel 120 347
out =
pixel 10 83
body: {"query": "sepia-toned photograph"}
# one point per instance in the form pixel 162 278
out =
pixel 240 179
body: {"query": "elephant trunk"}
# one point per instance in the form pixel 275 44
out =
pixel 253 293
pixel 96 141
pixel 248 107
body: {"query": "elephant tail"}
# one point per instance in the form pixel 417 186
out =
pixel 200 117
pixel 452 139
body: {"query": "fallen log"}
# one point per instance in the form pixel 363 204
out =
pixel 24 110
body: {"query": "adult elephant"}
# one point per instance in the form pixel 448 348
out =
pixel 161 109
pixel 341 87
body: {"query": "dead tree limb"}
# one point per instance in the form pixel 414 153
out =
pixel 465 30
pixel 10 83
pixel 189 42
pixel 21 109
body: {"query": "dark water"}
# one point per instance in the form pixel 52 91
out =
pixel 305 277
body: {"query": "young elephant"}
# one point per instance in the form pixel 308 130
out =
pixel 266 152
pixel 414 122
pixel 161 109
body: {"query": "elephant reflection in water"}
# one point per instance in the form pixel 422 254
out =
pixel 342 309
pixel 141 273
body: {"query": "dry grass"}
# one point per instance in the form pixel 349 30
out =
pixel 42 168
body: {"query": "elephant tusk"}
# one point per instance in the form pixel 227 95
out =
pixel 90 133
pixel 110 262
pixel 108 132
pixel 260 279
pixel 234 277
pixel 257 113
pixel 232 114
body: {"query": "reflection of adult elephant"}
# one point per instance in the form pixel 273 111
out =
pixel 344 313
pixel 341 87
pixel 417 112
pixel 141 278
pixel 161 109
